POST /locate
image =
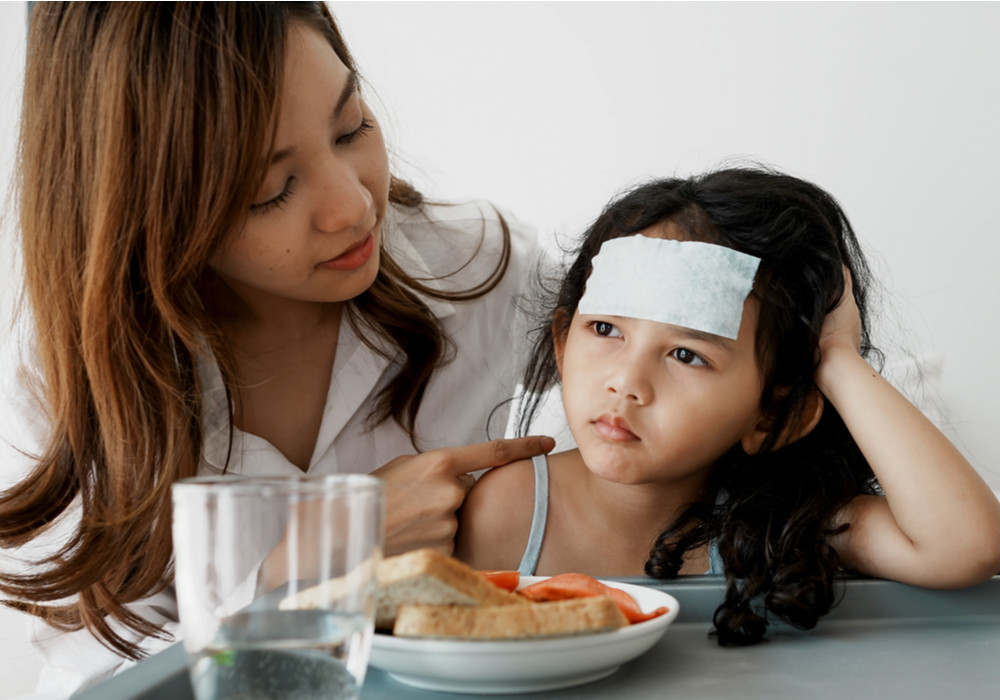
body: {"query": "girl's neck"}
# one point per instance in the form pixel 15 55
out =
pixel 589 513
pixel 653 503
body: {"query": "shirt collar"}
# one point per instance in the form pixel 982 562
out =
pixel 406 255
pixel 356 373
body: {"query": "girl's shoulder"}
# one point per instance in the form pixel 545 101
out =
pixel 504 488
pixel 496 517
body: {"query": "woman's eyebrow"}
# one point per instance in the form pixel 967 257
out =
pixel 350 87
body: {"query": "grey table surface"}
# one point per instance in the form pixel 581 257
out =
pixel 883 640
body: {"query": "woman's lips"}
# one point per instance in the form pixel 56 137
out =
pixel 353 257
pixel 614 429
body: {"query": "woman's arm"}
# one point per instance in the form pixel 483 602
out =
pixel 939 523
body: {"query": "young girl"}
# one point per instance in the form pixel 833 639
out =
pixel 222 275
pixel 710 339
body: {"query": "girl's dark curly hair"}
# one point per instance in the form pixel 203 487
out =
pixel 772 513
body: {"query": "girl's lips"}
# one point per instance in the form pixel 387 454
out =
pixel 354 257
pixel 614 429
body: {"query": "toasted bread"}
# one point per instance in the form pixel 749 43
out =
pixel 427 576
pixel 425 593
pixel 563 617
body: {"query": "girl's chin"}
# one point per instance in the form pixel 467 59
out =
pixel 606 464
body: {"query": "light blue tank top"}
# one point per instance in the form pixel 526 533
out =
pixel 529 561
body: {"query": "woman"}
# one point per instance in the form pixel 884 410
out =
pixel 223 276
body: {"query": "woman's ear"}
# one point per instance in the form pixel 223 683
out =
pixel 812 411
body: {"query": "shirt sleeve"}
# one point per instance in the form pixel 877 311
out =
pixel 73 661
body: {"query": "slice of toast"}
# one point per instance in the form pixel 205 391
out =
pixel 426 576
pixel 562 617
pixel 420 576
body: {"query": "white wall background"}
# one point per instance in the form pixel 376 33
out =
pixel 549 109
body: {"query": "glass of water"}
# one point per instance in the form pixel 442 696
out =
pixel 276 583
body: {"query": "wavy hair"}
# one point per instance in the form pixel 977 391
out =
pixel 142 134
pixel 772 513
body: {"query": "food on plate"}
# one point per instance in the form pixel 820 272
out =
pixel 573 604
pixel 426 576
pixel 570 586
pixel 507 580
pixel 574 616
pixel 425 593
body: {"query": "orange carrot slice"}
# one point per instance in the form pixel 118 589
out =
pixel 565 586
pixel 506 580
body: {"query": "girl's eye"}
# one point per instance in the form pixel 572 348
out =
pixel 605 329
pixel 275 202
pixel 688 357
pixel 366 126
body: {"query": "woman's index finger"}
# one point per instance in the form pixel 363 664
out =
pixel 496 453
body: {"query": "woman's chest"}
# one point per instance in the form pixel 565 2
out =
pixel 285 407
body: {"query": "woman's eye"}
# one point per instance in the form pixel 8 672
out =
pixel 688 357
pixel 605 329
pixel 274 202
pixel 366 126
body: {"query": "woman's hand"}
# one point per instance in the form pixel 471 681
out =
pixel 423 492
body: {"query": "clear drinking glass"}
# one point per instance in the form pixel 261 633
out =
pixel 275 583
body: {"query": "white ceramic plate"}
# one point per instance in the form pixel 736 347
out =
pixel 523 665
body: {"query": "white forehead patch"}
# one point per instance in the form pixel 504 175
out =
pixel 696 285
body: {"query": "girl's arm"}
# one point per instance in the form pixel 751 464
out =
pixel 939 523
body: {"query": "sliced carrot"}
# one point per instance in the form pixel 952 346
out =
pixel 565 586
pixel 506 580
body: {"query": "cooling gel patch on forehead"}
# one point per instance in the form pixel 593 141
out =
pixel 696 285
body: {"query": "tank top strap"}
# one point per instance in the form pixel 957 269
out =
pixel 529 561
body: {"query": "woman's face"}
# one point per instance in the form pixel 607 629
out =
pixel 314 229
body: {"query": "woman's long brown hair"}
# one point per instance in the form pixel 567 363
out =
pixel 142 131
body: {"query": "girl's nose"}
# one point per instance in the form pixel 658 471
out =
pixel 344 201
pixel 630 383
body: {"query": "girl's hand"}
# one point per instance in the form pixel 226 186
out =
pixel 840 337
pixel 842 326
pixel 423 492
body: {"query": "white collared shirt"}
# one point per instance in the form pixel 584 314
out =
pixel 489 343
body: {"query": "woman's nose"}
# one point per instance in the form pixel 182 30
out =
pixel 344 201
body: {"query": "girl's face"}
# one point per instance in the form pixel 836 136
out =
pixel 653 402
pixel 314 229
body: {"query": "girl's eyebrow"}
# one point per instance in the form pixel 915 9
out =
pixel 711 338
pixel 350 87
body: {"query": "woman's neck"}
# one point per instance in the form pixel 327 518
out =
pixel 283 329
pixel 256 322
